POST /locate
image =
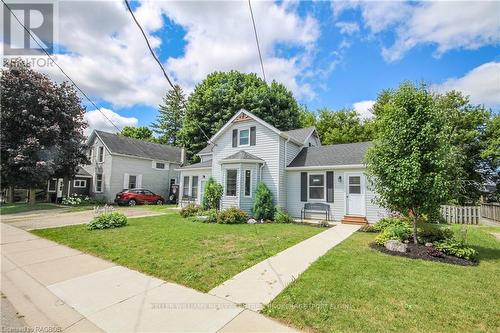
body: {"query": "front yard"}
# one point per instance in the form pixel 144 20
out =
pixel 193 254
pixel 21 207
pixel 354 288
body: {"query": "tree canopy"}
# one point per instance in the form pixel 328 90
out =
pixel 413 165
pixel 217 98
pixel 141 133
pixel 343 126
pixel 42 128
pixel 171 115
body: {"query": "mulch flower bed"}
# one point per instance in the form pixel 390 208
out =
pixel 420 251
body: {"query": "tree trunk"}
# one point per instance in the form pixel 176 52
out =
pixel 414 222
pixel 31 192
pixel 10 194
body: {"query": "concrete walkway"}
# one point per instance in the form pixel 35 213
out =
pixel 58 218
pixel 54 286
pixel 260 284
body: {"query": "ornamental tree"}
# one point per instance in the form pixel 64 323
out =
pixel 42 128
pixel 211 195
pixel 263 206
pixel 413 165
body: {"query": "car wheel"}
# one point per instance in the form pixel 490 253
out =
pixel 132 202
pixel 159 202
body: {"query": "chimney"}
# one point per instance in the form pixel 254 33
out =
pixel 183 155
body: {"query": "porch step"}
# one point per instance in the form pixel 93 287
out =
pixel 353 219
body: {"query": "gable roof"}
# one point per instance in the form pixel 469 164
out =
pixel 81 172
pixel 242 156
pixel 301 134
pixel 200 165
pixel 118 144
pixel 331 155
pixel 207 150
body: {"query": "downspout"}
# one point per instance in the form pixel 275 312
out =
pixel 284 168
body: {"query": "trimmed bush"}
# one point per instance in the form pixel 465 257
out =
pixel 398 232
pixel 107 221
pixel 232 216
pixel 263 207
pixel 190 210
pixel 386 222
pixel 427 232
pixel 211 195
pixel 280 216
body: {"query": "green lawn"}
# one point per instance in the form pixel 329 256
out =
pixel 18 207
pixel 356 289
pixel 194 254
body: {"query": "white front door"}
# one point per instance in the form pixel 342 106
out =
pixel 60 186
pixel 355 194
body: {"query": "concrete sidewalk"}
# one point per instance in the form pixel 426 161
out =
pixel 58 287
pixel 260 284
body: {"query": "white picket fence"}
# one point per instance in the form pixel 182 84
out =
pixel 461 214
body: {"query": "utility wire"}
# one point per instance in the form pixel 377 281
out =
pixel 257 40
pixel 62 71
pixel 161 66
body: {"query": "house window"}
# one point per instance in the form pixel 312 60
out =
pixel 248 183
pixel 194 187
pixel 160 165
pixel 81 183
pixel 316 186
pixel 244 137
pixel 231 182
pixel 132 182
pixel 52 185
pixel 185 187
pixel 354 185
pixel 91 154
pixel 98 182
pixel 100 154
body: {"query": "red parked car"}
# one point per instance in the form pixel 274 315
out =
pixel 137 196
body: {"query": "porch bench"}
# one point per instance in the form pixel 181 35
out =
pixel 315 207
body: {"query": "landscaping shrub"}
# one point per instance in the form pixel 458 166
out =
pixel 211 195
pixel 211 215
pixel 390 222
pixel 367 228
pixel 107 220
pixel 232 216
pixel 456 248
pixel 400 232
pixel 280 216
pixel 263 207
pixel 190 210
pixel 431 233
pixel 79 200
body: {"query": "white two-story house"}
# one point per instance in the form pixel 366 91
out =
pixel 293 164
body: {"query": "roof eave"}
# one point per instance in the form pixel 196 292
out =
pixel 242 161
pixel 330 167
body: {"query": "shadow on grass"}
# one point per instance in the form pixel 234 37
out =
pixel 487 253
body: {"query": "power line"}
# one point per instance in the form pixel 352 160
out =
pixel 257 40
pixel 161 66
pixel 62 71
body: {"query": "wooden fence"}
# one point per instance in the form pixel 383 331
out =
pixel 461 214
pixel 491 211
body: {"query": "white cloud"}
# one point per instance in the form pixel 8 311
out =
pixel 482 84
pixel 347 28
pixel 364 109
pixel 96 120
pixel 446 24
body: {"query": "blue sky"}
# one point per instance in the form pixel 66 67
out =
pixel 329 54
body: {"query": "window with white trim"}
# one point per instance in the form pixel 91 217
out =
pixel 231 178
pixel 98 182
pixel 100 154
pixel 91 154
pixel 185 187
pixel 317 186
pixel 244 137
pixel 194 187
pixel 132 182
pixel 248 183
pixel 80 183
pixel 160 165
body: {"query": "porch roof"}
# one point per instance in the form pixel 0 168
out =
pixel 242 156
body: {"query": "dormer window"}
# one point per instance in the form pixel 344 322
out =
pixel 244 137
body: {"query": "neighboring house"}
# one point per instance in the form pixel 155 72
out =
pixel 118 163
pixel 293 164
pixel 57 188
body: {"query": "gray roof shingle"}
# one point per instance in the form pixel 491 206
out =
pixel 242 155
pixel 206 164
pixel 340 154
pixel 207 149
pixel 300 134
pixel 119 144
pixel 81 172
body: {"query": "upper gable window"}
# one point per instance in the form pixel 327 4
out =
pixel 100 154
pixel 244 137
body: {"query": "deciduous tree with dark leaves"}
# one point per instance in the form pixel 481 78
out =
pixel 42 128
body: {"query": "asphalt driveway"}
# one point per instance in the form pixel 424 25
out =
pixel 61 217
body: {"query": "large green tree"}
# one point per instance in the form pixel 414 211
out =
pixel 414 165
pixel 491 154
pixel 171 115
pixel 141 133
pixel 42 128
pixel 217 98
pixel 343 126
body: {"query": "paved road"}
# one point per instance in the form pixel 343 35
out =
pixel 56 218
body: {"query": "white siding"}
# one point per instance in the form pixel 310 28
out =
pixel 246 203
pixel 203 175
pixel 105 168
pixel 205 158
pixel 338 207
